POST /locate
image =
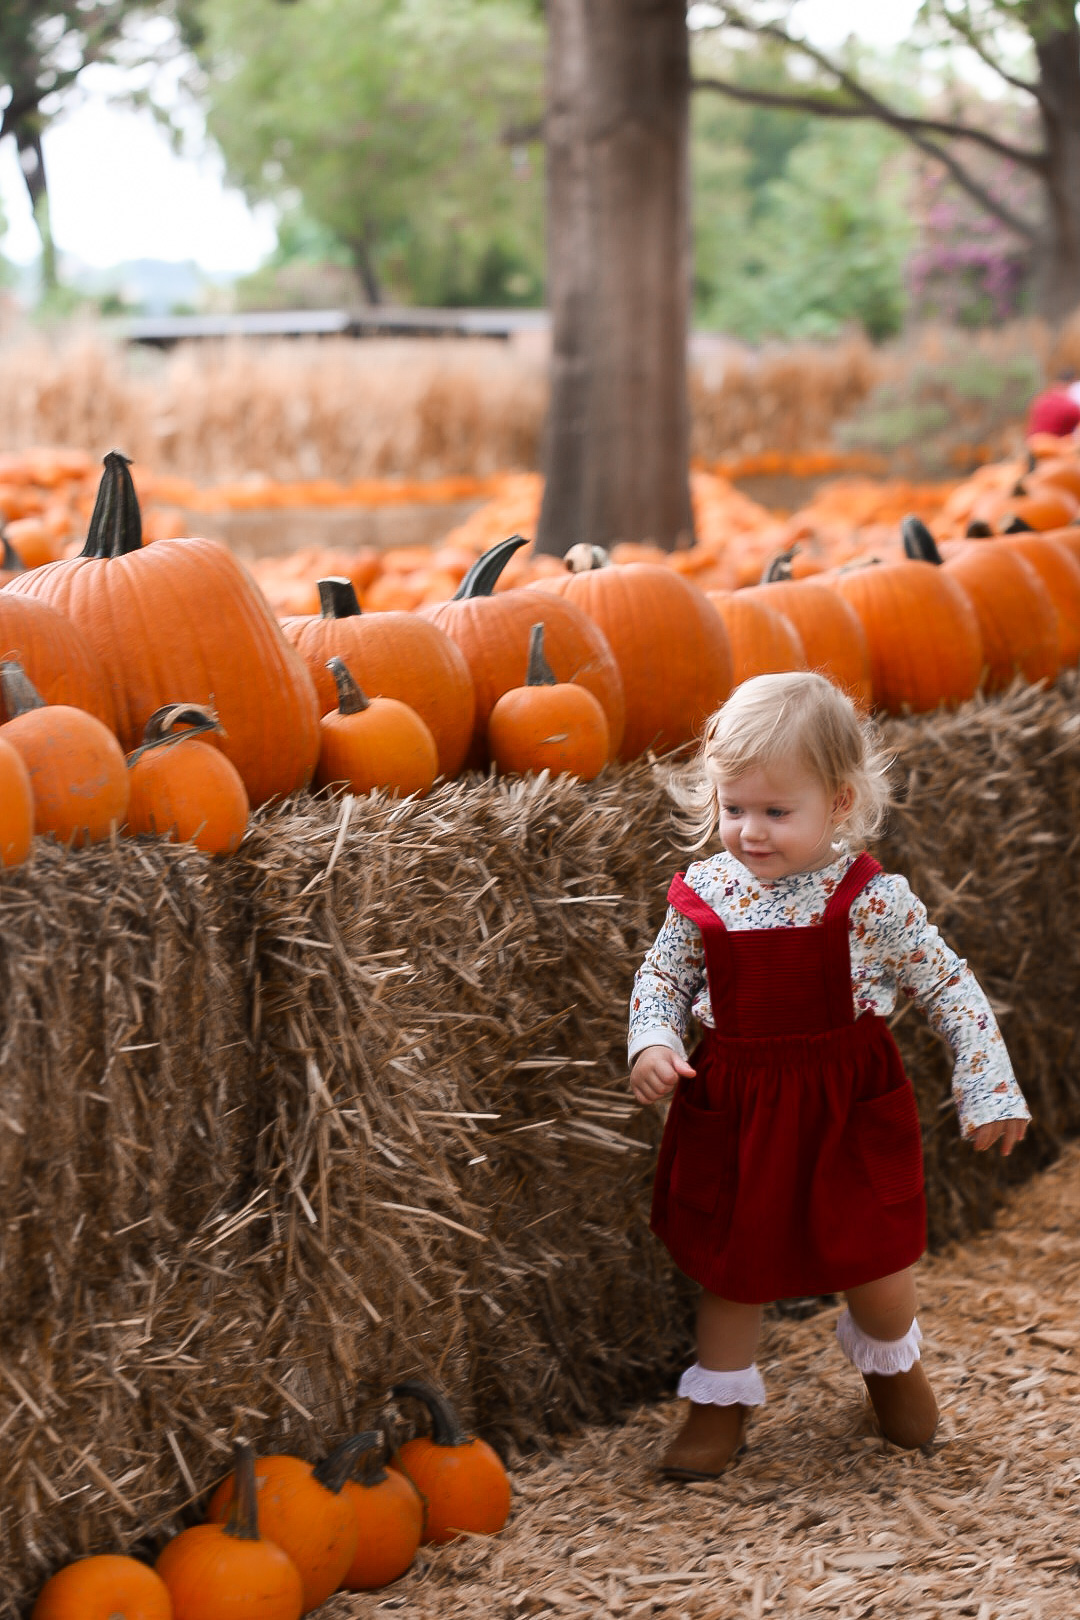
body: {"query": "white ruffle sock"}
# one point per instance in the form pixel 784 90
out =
pixel 707 1388
pixel 883 1356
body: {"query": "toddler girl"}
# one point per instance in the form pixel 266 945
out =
pixel 791 1162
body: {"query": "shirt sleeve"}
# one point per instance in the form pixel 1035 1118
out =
pixel 892 922
pixel 665 986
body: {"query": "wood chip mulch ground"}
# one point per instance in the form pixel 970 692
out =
pixel 819 1515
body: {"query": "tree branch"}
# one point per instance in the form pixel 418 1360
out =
pixel 911 128
pixel 973 42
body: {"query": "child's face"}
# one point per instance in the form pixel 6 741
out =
pixel 780 820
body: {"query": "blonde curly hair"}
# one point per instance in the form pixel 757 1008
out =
pixel 770 717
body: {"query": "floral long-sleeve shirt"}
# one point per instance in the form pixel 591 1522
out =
pixel 895 951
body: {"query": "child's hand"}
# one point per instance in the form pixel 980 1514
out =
pixel 1006 1131
pixel 657 1071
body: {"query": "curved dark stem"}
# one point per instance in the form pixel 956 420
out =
pixel 779 567
pixel 116 522
pixel 9 557
pixel 446 1427
pixel 1016 525
pixel 336 1468
pixel 351 699
pixel 160 732
pixel 539 671
pixel 19 693
pixel 243 1520
pixel 485 571
pixel 919 543
pixel 978 529
pixel 337 598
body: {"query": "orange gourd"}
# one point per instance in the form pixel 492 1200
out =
pixel 374 742
pixel 77 770
pixel 389 1519
pixel 227 1571
pixel 491 627
pixel 830 630
pixel 921 630
pixel 1017 618
pixel 16 807
pixel 762 641
pixel 303 1509
pixel 548 725
pixel 57 658
pixel 668 641
pixel 105 1587
pixel 462 1480
pixel 182 789
pixel 183 616
pixel 398 655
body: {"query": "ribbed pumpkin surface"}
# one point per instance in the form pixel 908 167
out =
pixel 1016 613
pixel 54 654
pixel 1059 569
pixel 762 641
pixel 830 630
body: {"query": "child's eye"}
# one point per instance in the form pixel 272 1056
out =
pixel 777 815
pixel 731 809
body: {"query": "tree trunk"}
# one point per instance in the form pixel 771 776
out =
pixel 1057 256
pixel 27 134
pixel 617 440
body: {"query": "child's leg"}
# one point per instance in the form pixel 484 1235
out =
pixel 879 1334
pixel 720 1386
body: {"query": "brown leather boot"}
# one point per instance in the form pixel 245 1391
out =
pixel 706 1443
pixel 905 1406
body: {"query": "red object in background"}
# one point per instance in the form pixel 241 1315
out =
pixel 1053 411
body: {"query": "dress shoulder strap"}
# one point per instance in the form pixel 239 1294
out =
pixel 687 901
pixel 858 875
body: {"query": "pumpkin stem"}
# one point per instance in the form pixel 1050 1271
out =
pixel 18 690
pixel 116 523
pixel 243 1520
pixel 919 543
pixel 9 557
pixel 583 558
pixel 1016 525
pixel 336 1468
pixel 539 672
pixel 351 699
pixel 337 598
pixel 978 529
pixel 779 567
pixel 160 730
pixel 481 578
pixel 446 1426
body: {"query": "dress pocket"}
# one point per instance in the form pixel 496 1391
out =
pixel 703 1169
pixel 890 1142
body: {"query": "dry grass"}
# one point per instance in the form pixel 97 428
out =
pixel 819 1516
pixel 352 1106
pixel 417 409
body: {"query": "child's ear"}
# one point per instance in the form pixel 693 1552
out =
pixel 844 802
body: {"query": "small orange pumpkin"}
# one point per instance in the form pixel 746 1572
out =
pixel 16 807
pixel 227 1570
pixel 77 770
pixel 462 1480
pixel 374 742
pixel 548 725
pixel 303 1510
pixel 105 1587
pixel 183 790
pixel 389 1517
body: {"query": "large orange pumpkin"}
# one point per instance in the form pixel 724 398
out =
pixel 56 656
pixel 492 629
pixel 762 641
pixel 1017 618
pixel 182 616
pixel 669 643
pixel 77 770
pixel 397 655
pixel 461 1478
pixel 107 1586
pixel 1058 567
pixel 830 630
pixel 303 1510
pixel 922 632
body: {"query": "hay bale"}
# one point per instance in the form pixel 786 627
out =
pixel 353 1106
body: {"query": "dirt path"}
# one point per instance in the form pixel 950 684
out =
pixel 819 1516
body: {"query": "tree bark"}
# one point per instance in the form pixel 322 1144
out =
pixel 1057 255
pixel 617 440
pixel 27 132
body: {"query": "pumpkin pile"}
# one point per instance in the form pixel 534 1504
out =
pixel 281 1535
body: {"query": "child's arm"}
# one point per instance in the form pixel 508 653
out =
pixel 665 986
pixel 896 931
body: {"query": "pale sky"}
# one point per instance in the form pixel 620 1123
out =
pixel 119 192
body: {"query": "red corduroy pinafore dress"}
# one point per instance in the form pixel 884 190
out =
pixel 792 1163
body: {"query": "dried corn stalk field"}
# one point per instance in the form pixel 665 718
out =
pixel 819 1516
